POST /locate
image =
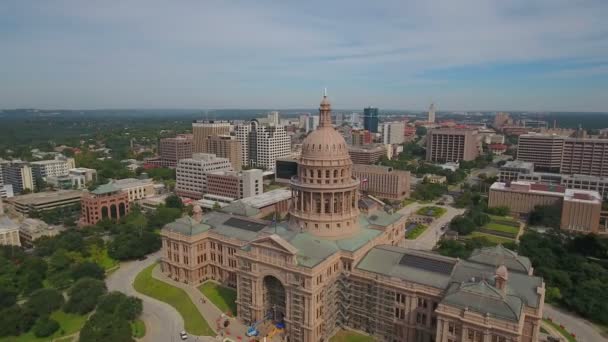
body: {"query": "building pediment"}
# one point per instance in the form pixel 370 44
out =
pixel 275 242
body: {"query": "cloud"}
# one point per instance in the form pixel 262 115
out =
pixel 190 53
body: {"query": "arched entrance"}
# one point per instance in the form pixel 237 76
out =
pixel 274 299
pixel 104 212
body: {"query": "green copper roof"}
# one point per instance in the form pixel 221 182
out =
pixel 499 255
pixel 105 189
pixel 484 298
pixel 187 226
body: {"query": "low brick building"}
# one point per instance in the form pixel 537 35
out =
pixel 107 201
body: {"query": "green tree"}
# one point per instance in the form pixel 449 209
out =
pixel 174 201
pixel 102 327
pixel 84 295
pixel 45 326
pixel 87 269
pixel 45 301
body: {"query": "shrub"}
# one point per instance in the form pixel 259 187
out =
pixel 45 327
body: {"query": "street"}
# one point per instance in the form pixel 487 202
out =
pixel 584 331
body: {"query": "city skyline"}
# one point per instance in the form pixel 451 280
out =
pixel 473 55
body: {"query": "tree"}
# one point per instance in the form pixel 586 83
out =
pixel 174 201
pixel 463 225
pixel 45 301
pixel 84 295
pixel 8 297
pixel 119 304
pixel 16 320
pixel 45 326
pixel 546 215
pixel 216 206
pixel 103 327
pixel 421 130
pixel 87 269
pixel 132 245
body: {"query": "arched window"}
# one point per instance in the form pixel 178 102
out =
pixel 342 173
pixel 327 173
pixel 335 173
pixel 318 173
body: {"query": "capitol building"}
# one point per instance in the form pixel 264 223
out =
pixel 331 265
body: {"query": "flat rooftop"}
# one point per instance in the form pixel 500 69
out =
pixel 589 196
pixel 583 196
pixel 267 198
pixel 46 197
pixel 518 164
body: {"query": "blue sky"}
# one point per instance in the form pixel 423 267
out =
pixel 464 55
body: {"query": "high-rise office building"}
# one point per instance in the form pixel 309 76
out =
pixel 263 144
pixel 452 145
pixel 226 146
pixel 361 137
pixel 383 181
pixel 273 118
pixel 19 174
pixel 370 119
pixel 191 173
pixel 544 150
pixel 201 130
pixel 339 119
pixel 173 149
pixel 431 115
pixel 235 185
pixel 392 132
pixel 312 123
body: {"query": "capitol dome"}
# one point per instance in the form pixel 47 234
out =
pixel 324 142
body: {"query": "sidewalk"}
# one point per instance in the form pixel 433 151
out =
pixel 209 311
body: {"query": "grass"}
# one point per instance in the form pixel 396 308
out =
pixel 101 258
pixel 66 339
pixel 435 212
pixel 561 330
pixel 350 336
pixel 493 238
pixel 502 218
pixel 68 324
pixel 194 322
pixel 138 328
pixel 223 297
pixel 415 233
pixel 407 202
pixel 502 228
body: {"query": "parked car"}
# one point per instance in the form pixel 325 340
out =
pixel 183 335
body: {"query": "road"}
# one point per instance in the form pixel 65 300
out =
pixel 163 322
pixel 584 331
pixel 429 238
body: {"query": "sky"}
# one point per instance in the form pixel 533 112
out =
pixel 533 55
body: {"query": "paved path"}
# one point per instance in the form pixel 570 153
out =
pixel 584 330
pixel 163 322
pixel 429 238
pixel 209 311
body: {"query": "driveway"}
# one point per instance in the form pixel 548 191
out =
pixel 163 322
pixel 584 330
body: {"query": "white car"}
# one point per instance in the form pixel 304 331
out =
pixel 183 335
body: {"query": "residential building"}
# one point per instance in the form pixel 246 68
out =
pixel 431 114
pixel 171 150
pixel 383 182
pixel 367 154
pixel 105 202
pixel 235 185
pixel 361 137
pixel 370 119
pixel 43 201
pixel 392 132
pixel 242 135
pixel 332 266
pixel 203 129
pixel 191 173
pixel 545 151
pixel 511 170
pixel 52 168
pixel 136 188
pixel 9 229
pixel 226 146
pixel 452 145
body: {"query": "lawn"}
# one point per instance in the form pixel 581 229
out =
pixel 407 202
pixel 138 328
pixel 414 233
pixel 561 330
pixel 194 322
pixel 68 324
pixel 66 339
pixel 502 228
pixel 101 258
pixel 490 237
pixel 223 297
pixel 435 212
pixel 350 336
